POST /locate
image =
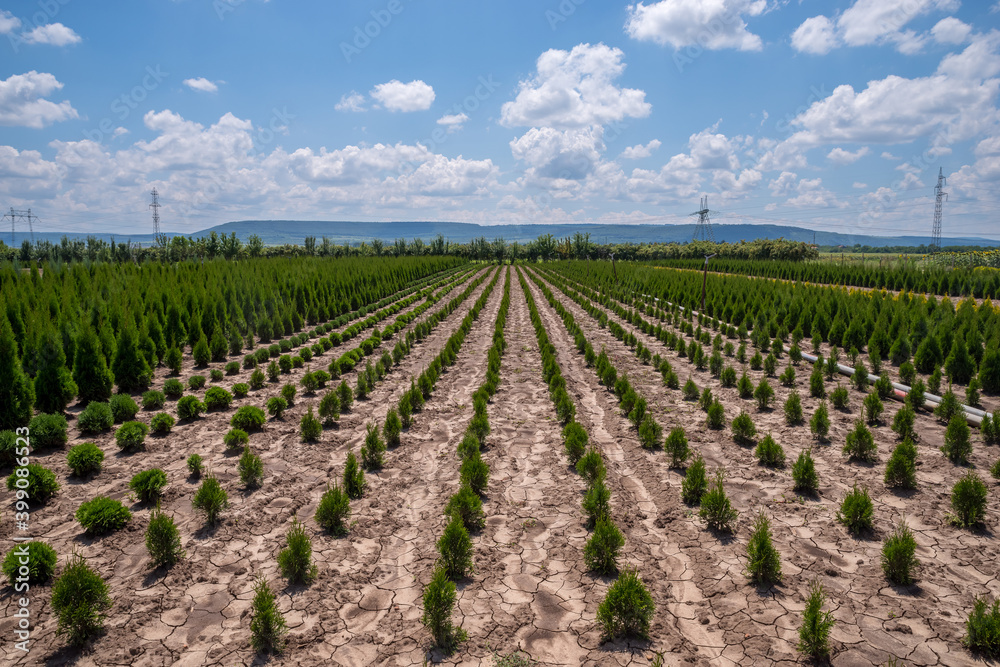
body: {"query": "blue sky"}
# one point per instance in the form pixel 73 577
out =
pixel 833 116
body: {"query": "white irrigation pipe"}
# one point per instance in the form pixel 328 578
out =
pixel 972 415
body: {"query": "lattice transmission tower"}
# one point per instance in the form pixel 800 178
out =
pixel 703 230
pixel 22 216
pixel 940 196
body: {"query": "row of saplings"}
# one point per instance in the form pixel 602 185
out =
pixel 856 512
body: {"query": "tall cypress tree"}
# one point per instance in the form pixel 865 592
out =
pixel 54 386
pixel 130 367
pixel 93 379
pixel 959 364
pixel 17 396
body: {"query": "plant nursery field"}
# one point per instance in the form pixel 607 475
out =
pixel 425 460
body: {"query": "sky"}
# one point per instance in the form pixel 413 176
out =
pixel 832 116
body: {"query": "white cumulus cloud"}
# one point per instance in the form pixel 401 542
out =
pixel 201 84
pixel 8 22
pixel 842 157
pixel 453 121
pixel 22 101
pixel 398 96
pixel 352 101
pixel 816 35
pixel 950 30
pixel 575 89
pixel 640 151
pixel 711 24
pixel 55 34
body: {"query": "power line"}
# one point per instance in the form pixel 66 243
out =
pixel 16 215
pixel 939 196
pixel 704 228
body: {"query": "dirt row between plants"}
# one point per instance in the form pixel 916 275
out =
pixel 921 624
pixel 198 612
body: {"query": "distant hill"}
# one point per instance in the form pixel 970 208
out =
pixel 277 232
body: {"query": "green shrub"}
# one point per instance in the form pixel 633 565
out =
pixel 173 360
pixel 295 560
pixel 627 609
pixel 334 510
pixel 210 498
pixel 455 547
pixel 650 433
pixel 173 388
pixel 8 448
pixel 102 515
pixel 96 417
pixel 240 390
pixel 438 602
pixel 903 422
pixel 677 448
pixel 345 395
pixel 705 400
pixel 745 386
pixel 161 422
pixel 475 473
pixel 840 398
pixel 948 408
pixel 591 466
pixel 695 482
pixel 982 629
pixel 744 430
pixel 769 453
pixel 995 469
pixel 251 469
pixel 267 624
pixel 196 382
pixel 479 426
pixel 968 501
pixel 804 476
pixel 860 443
pixel 288 393
pixel 728 377
pixel 468 446
pixel 79 600
pixel 793 409
pixel 600 554
pixel 860 378
pixel 597 501
pixel 257 379
pixel 329 408
pixel 273 372
pixel 467 505
pixel 819 424
pixel 148 484
pixel 276 406
pixel 787 377
pixel 856 511
pixel 898 555
pixel 716 417
pixel 195 465
pixel 310 427
pixel 39 482
pixel 716 510
pixel 217 398
pixel 248 418
pixel 40 565
pixel 354 477
pixel 131 436
pixel 48 431
pixel 215 375
pixel 123 408
pixel 691 391
pixel 814 635
pixel 575 441
pixel 392 428
pixel 901 468
pixel 764 394
pixel 233 367
pixel 816 387
pixel 163 541
pixel 84 459
pixel 763 560
pixel 872 408
pixel 235 438
pixel 957 445
pixel 374 448
pixel 189 407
